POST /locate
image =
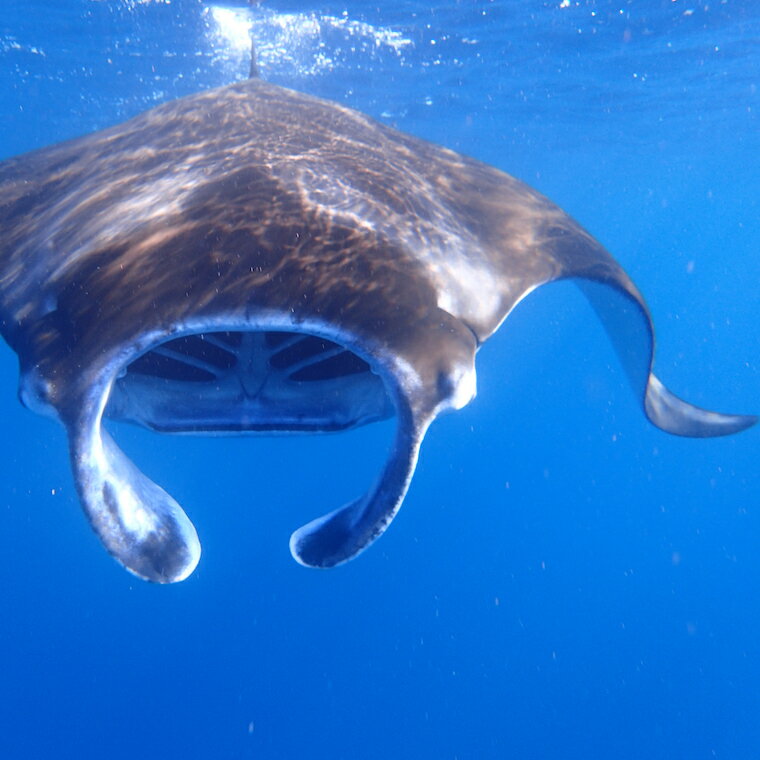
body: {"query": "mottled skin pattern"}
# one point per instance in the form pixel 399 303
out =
pixel 257 197
pixel 252 202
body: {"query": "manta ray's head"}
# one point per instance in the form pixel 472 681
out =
pixel 242 377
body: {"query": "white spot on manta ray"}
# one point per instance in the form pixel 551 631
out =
pixel 457 280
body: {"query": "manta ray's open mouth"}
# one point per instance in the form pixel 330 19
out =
pixel 249 381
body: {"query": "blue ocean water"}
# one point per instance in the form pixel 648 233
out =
pixel 564 580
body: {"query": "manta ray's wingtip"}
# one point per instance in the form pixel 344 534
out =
pixel 673 415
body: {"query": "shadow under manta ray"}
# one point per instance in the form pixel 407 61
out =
pixel 251 259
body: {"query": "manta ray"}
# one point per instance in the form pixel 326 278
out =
pixel 251 259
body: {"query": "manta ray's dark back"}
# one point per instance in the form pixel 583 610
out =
pixel 251 259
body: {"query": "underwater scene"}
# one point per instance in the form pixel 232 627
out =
pixel 332 324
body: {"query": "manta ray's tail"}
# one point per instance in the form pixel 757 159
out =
pixel 253 71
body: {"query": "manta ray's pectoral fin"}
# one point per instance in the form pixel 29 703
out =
pixel 340 535
pixel 673 415
pixel 629 326
pixel 137 521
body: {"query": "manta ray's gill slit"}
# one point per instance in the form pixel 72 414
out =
pixel 309 358
pixel 227 340
pixel 169 368
pixel 192 358
pixel 339 364
pixel 200 351
pixel 205 356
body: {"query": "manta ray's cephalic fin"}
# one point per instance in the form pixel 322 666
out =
pixel 340 535
pixel 138 522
